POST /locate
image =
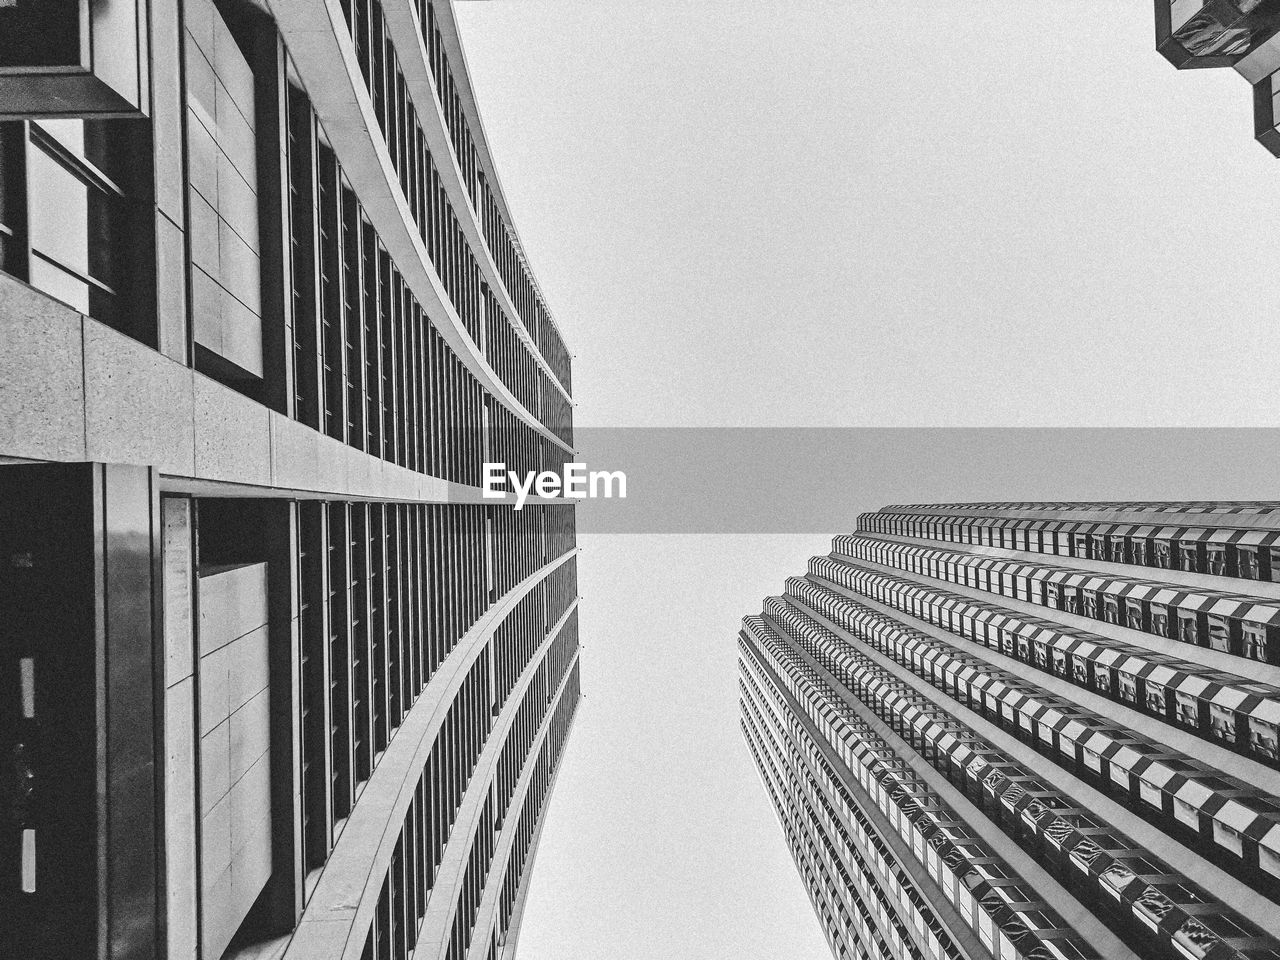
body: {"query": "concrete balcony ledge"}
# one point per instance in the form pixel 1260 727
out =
pixel 72 388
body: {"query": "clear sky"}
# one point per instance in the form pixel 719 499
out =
pixel 843 214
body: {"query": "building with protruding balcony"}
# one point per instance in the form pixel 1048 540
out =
pixel 995 731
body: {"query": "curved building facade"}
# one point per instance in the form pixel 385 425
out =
pixel 276 680
pixel 1005 730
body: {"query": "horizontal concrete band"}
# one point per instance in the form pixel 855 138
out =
pixel 462 79
pixel 342 906
pixel 73 389
pixel 1232 892
pixel 435 928
pixel 402 24
pixel 316 35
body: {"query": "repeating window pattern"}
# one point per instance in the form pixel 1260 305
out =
pixel 408 885
pixel 498 234
pixel 371 370
pixel 1221 552
pixel 990 898
pixel 839 851
pixel 1239 714
pixel 386 591
pixel 1220 816
pixel 537 699
pixel 424 191
pixel 1128 887
pixel 1230 623
pixel 73 216
pixel 534 800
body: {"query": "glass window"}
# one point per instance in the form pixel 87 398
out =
pixel 1187 632
pixel 1254 636
pixel 1264 739
pixel 74 216
pixel 1216 560
pixel 1164 555
pixel 1188 559
pixel 1219 634
pixel 1128 688
pixel 1111 609
pixel 1223 722
pixel 1228 837
pixel 1188 710
pixel 1247 563
pixel 1155 697
pixel 1102 678
pixel 1159 620
pixel 1186 813
pixel 1133 609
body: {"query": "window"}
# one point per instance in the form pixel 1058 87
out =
pixel 1151 794
pixel 1269 860
pixel 1102 678
pixel 1216 560
pixel 1133 609
pixel 1164 555
pixel 1219 634
pixel 1254 636
pixel 1187 557
pixel 1185 813
pixel 1187 632
pixel 1155 698
pixel 1138 551
pixel 1223 722
pixel 1228 837
pixel 1160 620
pixel 1128 688
pixel 76 214
pixel 1247 563
pixel 1111 609
pixel 1090 604
pixel 1264 738
pixel 1188 710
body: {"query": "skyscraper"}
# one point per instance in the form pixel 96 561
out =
pixel 1242 34
pixel 275 679
pixel 1030 730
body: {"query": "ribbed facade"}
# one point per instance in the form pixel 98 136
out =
pixel 276 680
pixel 1030 730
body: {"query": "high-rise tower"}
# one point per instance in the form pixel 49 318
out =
pixel 275 679
pixel 1030 730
